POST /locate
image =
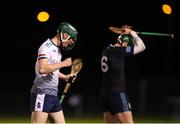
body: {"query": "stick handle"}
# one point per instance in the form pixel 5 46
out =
pixel 65 91
pixel 156 34
pixel 62 98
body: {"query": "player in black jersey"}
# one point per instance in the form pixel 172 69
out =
pixel 115 103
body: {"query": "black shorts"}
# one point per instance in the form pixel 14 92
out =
pixel 45 103
pixel 115 102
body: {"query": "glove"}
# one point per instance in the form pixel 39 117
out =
pixel 71 79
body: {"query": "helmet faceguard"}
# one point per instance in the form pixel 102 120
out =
pixel 125 38
pixel 68 36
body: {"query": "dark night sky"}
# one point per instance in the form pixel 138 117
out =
pixel 22 35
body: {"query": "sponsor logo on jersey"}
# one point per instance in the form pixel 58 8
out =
pixel 48 44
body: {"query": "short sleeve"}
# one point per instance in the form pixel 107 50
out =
pixel 43 53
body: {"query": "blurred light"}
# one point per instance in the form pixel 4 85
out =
pixel 43 16
pixel 166 9
pixel 74 100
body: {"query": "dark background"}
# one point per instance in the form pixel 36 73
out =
pixel 152 76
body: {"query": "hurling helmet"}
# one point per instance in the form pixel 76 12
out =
pixel 66 27
pixel 125 38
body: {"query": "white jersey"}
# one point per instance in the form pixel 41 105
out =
pixel 47 83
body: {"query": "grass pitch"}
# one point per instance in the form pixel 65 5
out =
pixel 93 119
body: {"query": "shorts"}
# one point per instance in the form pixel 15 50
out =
pixel 115 102
pixel 45 103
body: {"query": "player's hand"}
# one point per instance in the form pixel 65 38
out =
pixel 67 62
pixel 71 78
pixel 127 26
pixel 115 30
pixel 126 29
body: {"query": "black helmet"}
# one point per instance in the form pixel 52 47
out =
pixel 125 38
pixel 66 27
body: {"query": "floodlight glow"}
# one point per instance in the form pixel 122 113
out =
pixel 43 16
pixel 166 9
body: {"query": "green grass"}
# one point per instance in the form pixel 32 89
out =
pixel 68 120
pixel 14 120
pixel 93 119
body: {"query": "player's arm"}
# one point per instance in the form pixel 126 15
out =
pixel 45 68
pixel 66 76
pixel 116 30
pixel 120 30
pixel 139 45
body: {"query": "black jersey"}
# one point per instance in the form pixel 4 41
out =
pixel 112 66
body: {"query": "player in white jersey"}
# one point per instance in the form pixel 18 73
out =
pixel 44 92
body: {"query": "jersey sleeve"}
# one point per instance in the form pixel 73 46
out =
pixel 43 53
pixel 139 45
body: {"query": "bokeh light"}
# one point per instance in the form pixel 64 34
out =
pixel 166 9
pixel 43 16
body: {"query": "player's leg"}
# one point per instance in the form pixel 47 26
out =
pixel 56 112
pixel 109 118
pixel 105 101
pixel 124 117
pixel 58 117
pixel 121 108
pixel 42 105
pixel 39 117
pixel 125 114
